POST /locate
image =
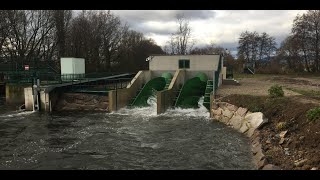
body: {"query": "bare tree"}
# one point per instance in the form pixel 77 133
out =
pixel 254 47
pixel 30 35
pixel 180 41
pixel 306 28
pixel 62 20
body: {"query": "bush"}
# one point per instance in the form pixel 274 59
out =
pixel 276 91
pixel 281 126
pixel 313 114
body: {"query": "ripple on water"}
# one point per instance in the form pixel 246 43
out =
pixel 128 139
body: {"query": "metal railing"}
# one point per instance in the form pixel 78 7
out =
pixel 27 77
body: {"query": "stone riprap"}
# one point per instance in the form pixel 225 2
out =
pixel 245 122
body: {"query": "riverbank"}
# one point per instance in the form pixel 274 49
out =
pixel 288 139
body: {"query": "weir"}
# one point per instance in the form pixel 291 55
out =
pixel 194 76
pixel 174 80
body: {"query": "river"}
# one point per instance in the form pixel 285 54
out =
pixel 129 139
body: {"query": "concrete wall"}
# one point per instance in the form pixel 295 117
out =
pixel 120 98
pixel 155 74
pixel 15 94
pixel 2 89
pixel 197 62
pixel 224 72
pixel 49 99
pixel 165 98
pixel 28 98
pixel 192 74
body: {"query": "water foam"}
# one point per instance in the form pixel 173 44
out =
pixel 151 110
pixel 17 113
pixel 190 112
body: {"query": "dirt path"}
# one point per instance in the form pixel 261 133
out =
pixel 259 87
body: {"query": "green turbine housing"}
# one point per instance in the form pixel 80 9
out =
pixel 191 92
pixel 156 84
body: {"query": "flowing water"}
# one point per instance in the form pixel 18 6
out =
pixel 129 139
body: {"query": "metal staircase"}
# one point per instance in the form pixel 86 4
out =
pixel 209 89
pixel 167 83
pixel 177 95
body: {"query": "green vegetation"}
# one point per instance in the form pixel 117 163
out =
pixel 309 93
pixel 313 114
pixel 276 91
pixel 281 126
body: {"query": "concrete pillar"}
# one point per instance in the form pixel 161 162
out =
pixel 120 98
pixel 224 72
pixel 165 98
pixel 28 98
pixel 44 101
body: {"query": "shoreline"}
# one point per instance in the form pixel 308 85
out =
pixel 291 147
pixel 247 123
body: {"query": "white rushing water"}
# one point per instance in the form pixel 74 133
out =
pixel 16 113
pixel 151 110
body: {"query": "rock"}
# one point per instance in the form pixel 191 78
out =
pixel 95 101
pixel 268 141
pixel 306 167
pixel 271 167
pixel 215 106
pixel 301 138
pixel 224 119
pixel 217 111
pixel 227 113
pixel 222 105
pixel 255 134
pixel 250 132
pixel 256 119
pixel 262 163
pixel 232 108
pixel 236 122
pixel 244 128
pixel 256 148
pixel 314 168
pixel 259 156
pixel 300 163
pixel 241 111
pixel 217 117
pixel 286 151
pixel 282 134
pixel 281 141
pixel 255 141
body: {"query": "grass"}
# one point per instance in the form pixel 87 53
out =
pixel 292 75
pixel 242 76
pixel 308 93
pixel 313 114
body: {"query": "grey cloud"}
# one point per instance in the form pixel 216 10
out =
pixel 137 19
pixel 155 30
pixel 133 17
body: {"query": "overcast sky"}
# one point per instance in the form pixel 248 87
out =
pixel 222 27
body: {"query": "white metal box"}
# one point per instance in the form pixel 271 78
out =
pixel 72 68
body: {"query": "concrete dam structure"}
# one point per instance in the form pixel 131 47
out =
pixel 175 80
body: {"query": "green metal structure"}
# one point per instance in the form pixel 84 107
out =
pixel 191 91
pixel 212 85
pixel 156 84
pixel 149 89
